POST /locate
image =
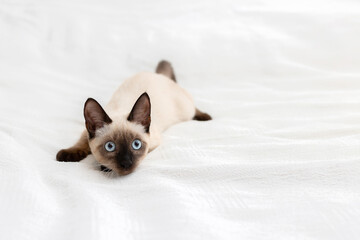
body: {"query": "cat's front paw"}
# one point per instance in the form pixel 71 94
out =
pixel 71 155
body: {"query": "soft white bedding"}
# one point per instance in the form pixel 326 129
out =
pixel 280 160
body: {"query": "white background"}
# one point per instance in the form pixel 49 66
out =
pixel 280 160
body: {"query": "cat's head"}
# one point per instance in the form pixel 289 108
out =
pixel 122 145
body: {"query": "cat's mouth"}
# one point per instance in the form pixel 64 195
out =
pixel 105 169
pixel 120 171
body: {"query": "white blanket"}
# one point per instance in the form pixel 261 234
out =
pixel 280 160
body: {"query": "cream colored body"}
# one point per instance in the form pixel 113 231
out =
pixel 138 112
pixel 170 103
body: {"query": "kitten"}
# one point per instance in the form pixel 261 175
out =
pixel 142 108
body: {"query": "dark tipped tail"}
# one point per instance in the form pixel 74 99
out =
pixel 165 68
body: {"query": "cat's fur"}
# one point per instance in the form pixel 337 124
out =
pixel 127 117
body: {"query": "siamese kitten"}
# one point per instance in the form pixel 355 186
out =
pixel 121 135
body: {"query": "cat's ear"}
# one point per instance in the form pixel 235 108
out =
pixel 141 111
pixel 95 116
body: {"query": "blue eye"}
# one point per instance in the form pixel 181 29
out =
pixel 136 144
pixel 110 146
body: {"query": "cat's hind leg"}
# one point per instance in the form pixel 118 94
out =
pixel 201 116
pixel 77 152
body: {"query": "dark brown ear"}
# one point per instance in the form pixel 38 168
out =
pixel 95 116
pixel 141 111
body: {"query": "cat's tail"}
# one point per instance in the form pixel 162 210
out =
pixel 165 68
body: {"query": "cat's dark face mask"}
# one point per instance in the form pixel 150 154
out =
pixel 121 144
